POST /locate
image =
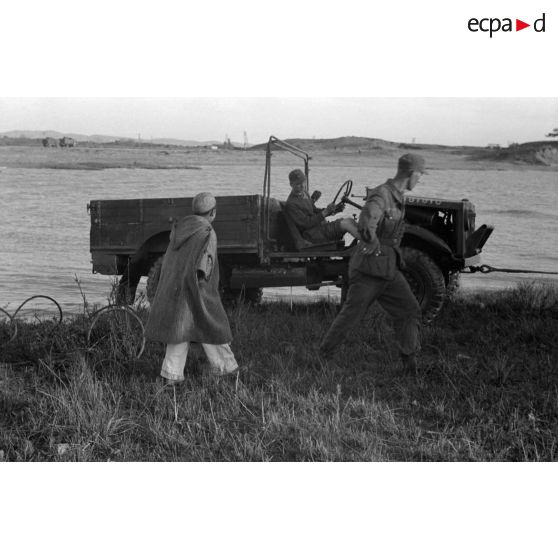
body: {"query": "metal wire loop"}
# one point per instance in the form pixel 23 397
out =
pixel 14 324
pixel 117 308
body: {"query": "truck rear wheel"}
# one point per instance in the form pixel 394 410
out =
pixel 426 281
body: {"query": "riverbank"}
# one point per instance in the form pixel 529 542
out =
pixel 486 390
pixel 173 157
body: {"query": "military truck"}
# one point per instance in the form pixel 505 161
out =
pixel 260 247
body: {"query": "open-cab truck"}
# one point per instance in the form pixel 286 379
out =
pixel 259 247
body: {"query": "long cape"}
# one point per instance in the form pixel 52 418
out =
pixel 186 308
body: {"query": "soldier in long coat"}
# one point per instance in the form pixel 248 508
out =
pixel 187 306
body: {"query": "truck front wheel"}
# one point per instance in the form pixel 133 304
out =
pixel 426 281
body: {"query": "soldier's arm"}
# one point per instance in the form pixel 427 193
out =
pixel 325 211
pixel 368 221
pixel 329 210
pixel 301 218
pixel 207 260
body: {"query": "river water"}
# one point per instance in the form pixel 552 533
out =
pixel 44 224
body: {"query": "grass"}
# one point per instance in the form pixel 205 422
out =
pixel 487 390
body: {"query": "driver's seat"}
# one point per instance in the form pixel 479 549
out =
pixel 299 242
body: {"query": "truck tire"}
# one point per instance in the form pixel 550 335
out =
pixel 453 283
pixel 426 281
pixel 153 279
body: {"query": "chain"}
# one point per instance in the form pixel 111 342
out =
pixel 490 269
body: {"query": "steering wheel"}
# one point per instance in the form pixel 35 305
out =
pixel 343 192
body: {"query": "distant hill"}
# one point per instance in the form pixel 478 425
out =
pixel 33 134
pixel 539 153
pixel 354 143
pixel 347 142
pixel 80 138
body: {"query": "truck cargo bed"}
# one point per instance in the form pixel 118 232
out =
pixel 122 226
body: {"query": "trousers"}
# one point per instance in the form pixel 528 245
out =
pixel 221 360
pixel 395 297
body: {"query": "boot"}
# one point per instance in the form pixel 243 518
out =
pixel 409 363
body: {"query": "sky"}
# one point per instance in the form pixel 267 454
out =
pixel 448 121
pixel 399 71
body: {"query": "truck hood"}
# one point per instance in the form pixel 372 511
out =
pixel 187 228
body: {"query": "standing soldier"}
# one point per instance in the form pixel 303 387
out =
pixel 187 306
pixel 375 266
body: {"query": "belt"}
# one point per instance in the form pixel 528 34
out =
pixel 390 241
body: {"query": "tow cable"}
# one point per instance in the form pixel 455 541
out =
pixel 489 269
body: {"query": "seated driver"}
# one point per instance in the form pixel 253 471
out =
pixel 310 220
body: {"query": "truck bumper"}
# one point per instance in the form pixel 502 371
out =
pixel 477 240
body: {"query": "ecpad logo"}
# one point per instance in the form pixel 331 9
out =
pixel 492 25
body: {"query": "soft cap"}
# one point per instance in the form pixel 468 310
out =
pixel 296 177
pixel 203 203
pixel 411 162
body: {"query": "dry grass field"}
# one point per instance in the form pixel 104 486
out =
pixel 487 389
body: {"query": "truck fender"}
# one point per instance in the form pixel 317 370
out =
pixel 428 237
pixel 140 264
pixel 157 243
pixel 140 261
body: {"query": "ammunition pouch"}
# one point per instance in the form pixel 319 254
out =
pixel 383 265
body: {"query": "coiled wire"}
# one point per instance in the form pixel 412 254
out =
pixel 95 317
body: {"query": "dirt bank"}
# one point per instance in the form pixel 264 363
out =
pixel 323 152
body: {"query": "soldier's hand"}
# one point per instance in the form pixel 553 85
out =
pixel 372 248
pixel 330 209
pixel 365 234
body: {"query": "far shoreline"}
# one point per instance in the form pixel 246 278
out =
pixel 174 158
